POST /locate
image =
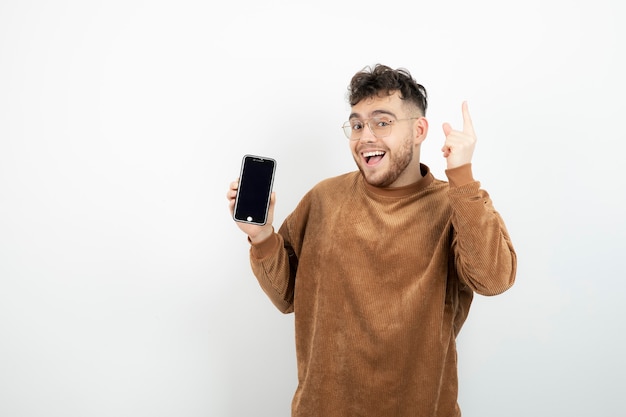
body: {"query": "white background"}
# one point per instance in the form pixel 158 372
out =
pixel 125 288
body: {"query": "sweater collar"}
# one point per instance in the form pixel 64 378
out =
pixel 425 181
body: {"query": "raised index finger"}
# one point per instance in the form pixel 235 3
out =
pixel 468 127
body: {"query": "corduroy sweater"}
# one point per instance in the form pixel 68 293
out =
pixel 381 281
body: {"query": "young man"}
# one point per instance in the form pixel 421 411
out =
pixel 380 265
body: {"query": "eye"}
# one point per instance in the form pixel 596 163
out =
pixel 356 125
pixel 382 122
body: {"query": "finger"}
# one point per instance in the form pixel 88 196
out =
pixel 270 211
pixel 468 126
pixel 232 190
pixel 272 201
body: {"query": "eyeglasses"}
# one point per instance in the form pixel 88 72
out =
pixel 379 126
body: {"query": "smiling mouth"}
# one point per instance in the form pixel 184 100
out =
pixel 373 157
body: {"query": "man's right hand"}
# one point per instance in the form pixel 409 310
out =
pixel 255 232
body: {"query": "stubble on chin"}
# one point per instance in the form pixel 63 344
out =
pixel 397 166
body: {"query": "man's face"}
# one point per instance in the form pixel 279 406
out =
pixel 392 160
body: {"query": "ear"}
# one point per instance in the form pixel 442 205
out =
pixel 420 130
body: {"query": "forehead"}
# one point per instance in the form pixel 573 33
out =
pixel 390 104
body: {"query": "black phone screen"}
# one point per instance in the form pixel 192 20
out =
pixel 255 188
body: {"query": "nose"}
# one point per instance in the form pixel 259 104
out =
pixel 367 135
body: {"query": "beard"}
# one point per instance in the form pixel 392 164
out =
pixel 398 162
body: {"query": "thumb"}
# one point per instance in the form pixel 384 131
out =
pixel 447 129
pixel 270 211
pixel 272 199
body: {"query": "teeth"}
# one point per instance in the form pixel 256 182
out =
pixel 373 153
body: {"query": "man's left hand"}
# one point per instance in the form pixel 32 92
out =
pixel 459 146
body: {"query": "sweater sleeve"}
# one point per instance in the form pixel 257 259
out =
pixel 274 265
pixel 483 253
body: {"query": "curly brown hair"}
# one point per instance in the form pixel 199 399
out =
pixel 382 79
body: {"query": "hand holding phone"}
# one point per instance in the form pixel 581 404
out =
pixel 256 233
pixel 255 189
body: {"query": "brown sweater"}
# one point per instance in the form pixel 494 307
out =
pixel 381 281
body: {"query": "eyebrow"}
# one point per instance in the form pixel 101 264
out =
pixel 374 113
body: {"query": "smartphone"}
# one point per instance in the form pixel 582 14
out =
pixel 255 188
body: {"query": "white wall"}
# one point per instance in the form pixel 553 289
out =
pixel 125 287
